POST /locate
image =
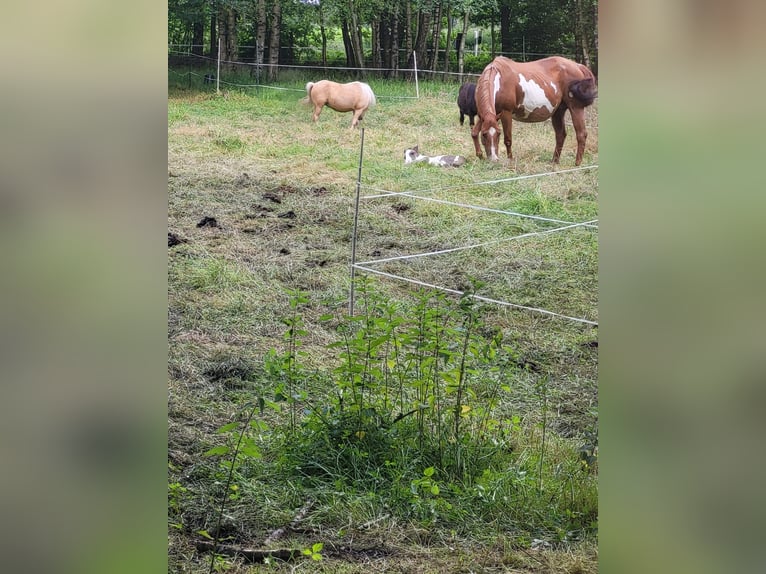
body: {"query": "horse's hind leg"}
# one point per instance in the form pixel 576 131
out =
pixel 358 116
pixel 317 110
pixel 581 132
pixel 557 119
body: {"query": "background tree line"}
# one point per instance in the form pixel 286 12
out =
pixel 385 33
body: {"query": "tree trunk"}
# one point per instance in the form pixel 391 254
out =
pixel 424 24
pixel 274 38
pixel 324 36
pixel 435 38
pixel 408 31
pixel 389 42
pixel 213 36
pixel 448 44
pixel 492 50
pixel 198 37
pixel 228 32
pixel 506 40
pixel 461 46
pixel 377 52
pixel 260 35
pixel 355 33
pixel 580 34
pixel 394 48
pixel 594 68
pixel 347 45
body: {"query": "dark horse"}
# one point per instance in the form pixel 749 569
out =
pixel 532 92
pixel 466 102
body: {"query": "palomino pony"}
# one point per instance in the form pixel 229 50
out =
pixel 352 97
pixel 532 92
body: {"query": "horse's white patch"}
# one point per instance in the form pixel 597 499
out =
pixel 496 88
pixel 534 97
pixel 492 149
pixel 555 89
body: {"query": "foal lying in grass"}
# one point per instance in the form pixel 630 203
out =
pixel 412 155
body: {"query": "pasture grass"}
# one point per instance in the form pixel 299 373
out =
pixel 282 191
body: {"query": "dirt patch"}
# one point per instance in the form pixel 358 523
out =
pixel 208 222
pixel 174 240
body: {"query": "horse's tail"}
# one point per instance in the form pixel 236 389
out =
pixel 307 99
pixel 370 95
pixel 584 91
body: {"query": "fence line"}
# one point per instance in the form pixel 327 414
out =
pixel 365 265
pixel 324 68
pixel 486 244
pixel 477 297
pixel 386 193
pixel 343 53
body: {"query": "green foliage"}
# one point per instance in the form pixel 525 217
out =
pixel 415 396
pixel 315 552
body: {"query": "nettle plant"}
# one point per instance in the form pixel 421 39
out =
pixel 416 394
pixel 414 385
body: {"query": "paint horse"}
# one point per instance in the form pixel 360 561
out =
pixel 412 155
pixel 532 92
pixel 354 97
pixel 466 103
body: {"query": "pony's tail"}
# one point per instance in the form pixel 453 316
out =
pixel 371 95
pixel 306 99
pixel 584 91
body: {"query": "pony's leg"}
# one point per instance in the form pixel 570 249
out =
pixel 475 137
pixel 557 119
pixel 578 120
pixel 357 118
pixel 317 110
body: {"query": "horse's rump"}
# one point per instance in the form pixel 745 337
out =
pixel 466 98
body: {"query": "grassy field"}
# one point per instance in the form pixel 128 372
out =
pixel 428 435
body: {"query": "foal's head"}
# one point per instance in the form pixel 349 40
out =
pixel 411 155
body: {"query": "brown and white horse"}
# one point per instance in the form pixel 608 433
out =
pixel 354 97
pixel 532 92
